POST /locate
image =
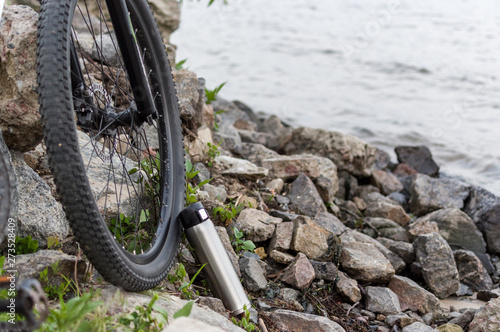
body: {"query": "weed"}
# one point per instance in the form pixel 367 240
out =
pixel 149 174
pixel 53 243
pixel 216 122
pixel 131 235
pixel 26 245
pixel 227 212
pixel 213 152
pixel 142 318
pixel 179 64
pixel 211 95
pixel 55 291
pixel 190 190
pixel 180 274
pixel 244 323
pixel 240 244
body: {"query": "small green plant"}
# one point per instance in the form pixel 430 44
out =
pixel 53 290
pixel 216 122
pixel 71 316
pixel 213 152
pixel 240 244
pixel 227 212
pixel 132 236
pixel 179 64
pixel 190 190
pixel 211 95
pixel 244 323
pixel 179 275
pixel 149 174
pixel 53 243
pixel 26 245
pixel 142 318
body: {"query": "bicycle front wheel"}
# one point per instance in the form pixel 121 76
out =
pixel 121 184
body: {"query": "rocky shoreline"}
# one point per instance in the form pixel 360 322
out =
pixel 346 239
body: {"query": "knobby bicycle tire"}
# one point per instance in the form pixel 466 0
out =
pixel 5 189
pixel 127 226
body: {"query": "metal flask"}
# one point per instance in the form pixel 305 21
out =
pixel 208 248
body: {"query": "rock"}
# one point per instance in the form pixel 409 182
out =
pixel 252 274
pixel 487 318
pixel 348 186
pixel 213 303
pixel 486 295
pixel 417 327
pixel 438 265
pixel 387 210
pixel 349 153
pixel 305 197
pixel 392 320
pixel 273 125
pixel 382 160
pixel 400 248
pixel 233 111
pixel 382 300
pixel 257 225
pixel 484 208
pixel 191 96
pixel 365 263
pixel 450 328
pixel 360 203
pixel 471 271
pixel 428 194
pixel 282 237
pixel 348 288
pixel 35 210
pixel 413 297
pixel 288 321
pixel 281 257
pixel 300 273
pixel 198 148
pixel 309 238
pixel 418 158
pixel 256 153
pixel 329 222
pixel 276 185
pixel 324 270
pixel 421 227
pixel 464 319
pixel 212 193
pixel 270 141
pixel 30 265
pixel 464 290
pixel 398 198
pixel 388 228
pixel 224 237
pixel 459 231
pixel 386 182
pixel 188 324
pixel 203 175
pixel 228 136
pixel 19 117
pixel 167 15
pixel 240 168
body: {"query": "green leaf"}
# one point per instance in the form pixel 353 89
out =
pixel 184 311
pixel 179 64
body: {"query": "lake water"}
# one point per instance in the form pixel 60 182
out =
pixel 391 72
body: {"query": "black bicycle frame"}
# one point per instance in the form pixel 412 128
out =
pixel 129 48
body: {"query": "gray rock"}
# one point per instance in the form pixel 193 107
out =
pixel 188 324
pixel 484 208
pixel 30 265
pixel 281 257
pixel 329 222
pixel 300 273
pixel 438 265
pixel 428 194
pixel 471 271
pixel 365 263
pixel 240 168
pixel 167 15
pixel 273 125
pixel 270 141
pixel 289 294
pixel 324 270
pixel 464 290
pixel 215 193
pixel 257 225
pixel 213 303
pixel 204 173
pixel 191 96
pixel 382 300
pixel 464 319
pixel 228 135
pixel 388 228
pixel 402 249
pixel 348 186
pixel 347 152
pixel 255 153
pixel 305 197
pixel 387 210
pixel 386 182
pixel 282 237
pixel 35 210
pixel 487 318
pixel 276 185
pixel 459 231
pixel 252 274
pixel 418 158
pixel 421 227
pixel 413 297
pixel 288 321
pixel 232 111
pixel 107 50
pixel 224 237
pixel 392 320
pixel 348 288
pixel 309 238
pixel 417 327
pixel 19 117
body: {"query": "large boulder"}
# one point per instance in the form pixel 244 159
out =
pixel 19 117
pixel 347 152
pixel 419 158
pixel 484 208
pixel 288 321
pixel 437 263
pixel 191 96
pixel 487 318
pixel 471 271
pixel 428 194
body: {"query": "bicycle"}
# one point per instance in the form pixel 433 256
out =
pixel 113 135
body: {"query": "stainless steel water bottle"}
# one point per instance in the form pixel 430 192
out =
pixel 208 248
